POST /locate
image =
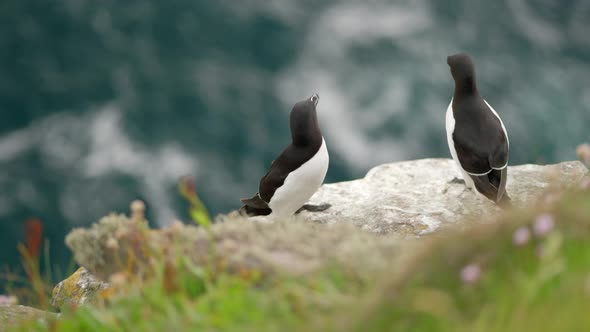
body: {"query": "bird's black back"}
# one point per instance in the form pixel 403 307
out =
pixel 479 138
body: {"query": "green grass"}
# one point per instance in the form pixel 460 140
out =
pixel 196 302
pixel 542 285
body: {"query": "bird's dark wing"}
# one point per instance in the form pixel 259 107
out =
pixel 288 161
pixel 498 158
pixel 480 141
pixel 269 183
pixel 278 172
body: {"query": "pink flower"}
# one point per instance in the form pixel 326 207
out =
pixel 544 224
pixel 583 153
pixel 551 198
pixel 471 273
pixel 521 236
pixel 8 300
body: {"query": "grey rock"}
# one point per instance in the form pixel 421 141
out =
pixel 417 197
pixel 11 315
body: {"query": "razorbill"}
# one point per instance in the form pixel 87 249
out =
pixel 298 172
pixel 476 135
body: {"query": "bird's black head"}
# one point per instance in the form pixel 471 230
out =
pixel 463 71
pixel 304 123
pixel 461 66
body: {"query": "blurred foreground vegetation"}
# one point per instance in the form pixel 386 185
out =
pixel 529 271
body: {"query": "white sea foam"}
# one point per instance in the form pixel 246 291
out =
pixel 89 148
pixel 355 100
pixel 376 65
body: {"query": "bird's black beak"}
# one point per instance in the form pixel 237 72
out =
pixel 315 99
pixel 449 60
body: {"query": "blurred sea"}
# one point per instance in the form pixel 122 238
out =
pixel 106 101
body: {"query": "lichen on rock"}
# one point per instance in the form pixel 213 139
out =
pixel 78 289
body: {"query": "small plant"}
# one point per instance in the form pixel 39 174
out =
pixel 34 288
pixel 197 209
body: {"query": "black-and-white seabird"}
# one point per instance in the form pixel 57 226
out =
pixel 298 172
pixel 476 135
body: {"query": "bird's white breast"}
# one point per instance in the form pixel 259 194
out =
pixel 450 126
pixel 300 184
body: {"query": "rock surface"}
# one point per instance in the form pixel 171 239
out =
pixel 14 314
pixel 416 197
pixel 80 288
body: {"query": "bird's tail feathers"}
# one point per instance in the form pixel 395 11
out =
pixel 255 206
pixel 505 202
pixel 503 199
pixel 255 202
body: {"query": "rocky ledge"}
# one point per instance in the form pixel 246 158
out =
pixel 417 197
pixel 402 200
pixel 12 315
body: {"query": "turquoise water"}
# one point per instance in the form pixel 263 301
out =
pixel 103 102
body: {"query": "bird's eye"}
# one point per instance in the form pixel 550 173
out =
pixel 314 98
